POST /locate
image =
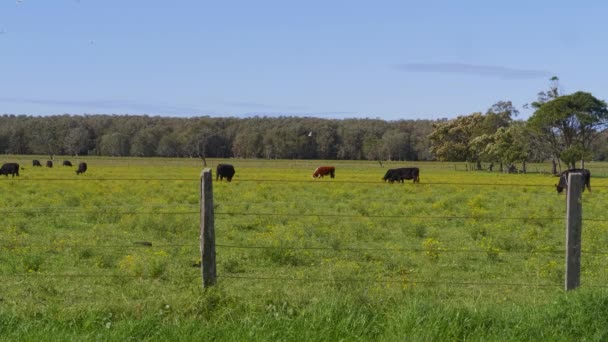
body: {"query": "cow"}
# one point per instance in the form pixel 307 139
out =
pixel 36 162
pixel 563 179
pixel 49 163
pixel 401 174
pixel 324 171
pixel 82 168
pixel 224 170
pixel 67 163
pixel 9 168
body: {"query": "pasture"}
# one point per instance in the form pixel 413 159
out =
pixel 461 255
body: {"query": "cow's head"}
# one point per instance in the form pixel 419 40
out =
pixel 388 175
pixel 562 184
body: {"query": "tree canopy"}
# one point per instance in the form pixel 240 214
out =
pixel 202 137
pixel 571 123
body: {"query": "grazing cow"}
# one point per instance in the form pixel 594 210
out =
pixel 9 168
pixel 400 174
pixel 224 170
pixel 324 171
pixel 563 179
pixel 82 168
pixel 49 163
pixel 36 162
pixel 67 163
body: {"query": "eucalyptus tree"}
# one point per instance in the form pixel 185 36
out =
pixel 77 141
pixel 511 144
pixel 114 144
pixel 571 123
pixel 326 139
pixel 395 144
pixel 450 139
pixel 461 139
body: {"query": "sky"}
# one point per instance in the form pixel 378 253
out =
pixel 391 60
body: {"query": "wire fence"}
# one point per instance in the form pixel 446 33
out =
pixel 285 181
pixel 271 180
pixel 147 244
pixel 67 210
pixel 291 279
pixel 91 210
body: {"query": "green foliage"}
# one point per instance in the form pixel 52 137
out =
pixel 205 137
pixel 570 123
pixel 466 137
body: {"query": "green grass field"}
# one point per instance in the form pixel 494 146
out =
pixel 462 255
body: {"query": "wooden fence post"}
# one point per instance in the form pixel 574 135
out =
pixel 207 237
pixel 574 222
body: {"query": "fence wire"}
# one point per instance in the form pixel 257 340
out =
pixel 394 281
pixel 146 244
pixel 290 279
pixel 63 211
pixel 310 181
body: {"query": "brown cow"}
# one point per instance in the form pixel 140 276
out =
pixel 324 171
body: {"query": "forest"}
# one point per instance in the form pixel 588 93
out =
pixel 563 128
pixel 257 137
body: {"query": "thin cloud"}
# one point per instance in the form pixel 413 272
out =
pixel 129 107
pixel 261 106
pixel 474 69
pixel 300 114
pixel 101 105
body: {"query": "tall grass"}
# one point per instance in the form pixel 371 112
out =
pixel 463 255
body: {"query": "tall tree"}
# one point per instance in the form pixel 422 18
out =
pixel 450 140
pixel 572 123
pixel 77 141
pixel 395 145
pixel 544 134
pixel 114 144
pixel 169 145
pixel 460 139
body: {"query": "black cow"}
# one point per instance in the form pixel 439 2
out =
pixel 9 169
pixel 563 179
pixel 67 163
pixel 49 163
pixel 36 162
pixel 400 174
pixel 82 168
pixel 224 170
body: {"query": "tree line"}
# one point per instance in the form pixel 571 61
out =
pixel 563 128
pixel 208 137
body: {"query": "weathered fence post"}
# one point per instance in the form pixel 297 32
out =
pixel 207 237
pixel 574 222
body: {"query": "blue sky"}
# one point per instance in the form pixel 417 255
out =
pixel 334 59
